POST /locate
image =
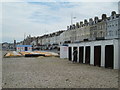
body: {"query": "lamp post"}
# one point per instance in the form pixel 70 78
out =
pixel 72 19
pixel 119 7
pixel 24 39
pixel 74 35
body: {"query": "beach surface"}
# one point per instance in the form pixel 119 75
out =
pixel 53 72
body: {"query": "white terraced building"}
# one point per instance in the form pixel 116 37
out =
pixel 113 26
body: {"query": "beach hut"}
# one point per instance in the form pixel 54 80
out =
pixel 102 53
pixel 64 51
pixel 20 48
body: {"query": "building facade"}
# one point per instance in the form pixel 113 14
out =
pixel 98 28
pixel 113 29
pixel 77 33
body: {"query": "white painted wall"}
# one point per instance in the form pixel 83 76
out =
pixel 63 52
pixel 102 43
pixel 20 49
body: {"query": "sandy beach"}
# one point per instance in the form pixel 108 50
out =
pixel 53 72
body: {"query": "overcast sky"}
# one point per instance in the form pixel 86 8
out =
pixel 39 18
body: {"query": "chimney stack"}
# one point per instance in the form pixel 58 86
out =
pixel 96 20
pixel 73 26
pixel 68 28
pixel 113 13
pixel 90 21
pixel 77 25
pixel 85 22
pixel 104 16
pixel 81 23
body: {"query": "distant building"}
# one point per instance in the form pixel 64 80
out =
pixel 76 33
pixel 94 29
pixel 34 42
pixel 83 33
pixel 5 46
pixel 28 40
pixel 20 48
pixel 48 40
pixel 14 44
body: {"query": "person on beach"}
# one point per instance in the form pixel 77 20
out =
pixel 75 52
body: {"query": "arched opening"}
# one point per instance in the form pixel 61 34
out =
pixel 109 56
pixel 87 55
pixel 81 53
pixel 97 55
pixel 75 54
pixel 70 53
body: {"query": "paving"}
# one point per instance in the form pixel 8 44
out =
pixel 53 72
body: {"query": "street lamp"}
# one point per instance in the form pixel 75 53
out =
pixel 72 19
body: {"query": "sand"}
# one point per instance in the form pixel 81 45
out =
pixel 53 72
